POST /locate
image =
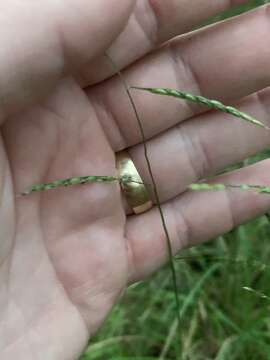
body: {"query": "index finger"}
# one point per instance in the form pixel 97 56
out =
pixel 152 23
pixel 41 42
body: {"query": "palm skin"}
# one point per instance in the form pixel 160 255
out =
pixel 66 255
pixel 49 303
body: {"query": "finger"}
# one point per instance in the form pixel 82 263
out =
pixel 203 146
pixel 195 217
pixel 32 61
pixel 152 23
pixel 225 61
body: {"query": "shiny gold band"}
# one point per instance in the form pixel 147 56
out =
pixel 135 191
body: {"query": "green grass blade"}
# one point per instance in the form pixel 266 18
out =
pixel 189 300
pixel 212 104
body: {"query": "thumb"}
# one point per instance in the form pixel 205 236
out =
pixel 43 41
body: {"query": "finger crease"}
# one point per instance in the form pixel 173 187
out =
pixel 195 153
pixel 231 216
pixel 105 116
pixel 151 31
pixel 191 78
pixel 181 224
pixel 132 263
pixel 262 103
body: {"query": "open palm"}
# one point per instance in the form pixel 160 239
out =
pixel 66 255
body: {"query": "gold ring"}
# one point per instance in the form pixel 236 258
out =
pixel 131 184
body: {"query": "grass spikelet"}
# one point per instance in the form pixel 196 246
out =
pixel 68 182
pixel 257 293
pixel 212 104
pixel 213 187
pixel 78 180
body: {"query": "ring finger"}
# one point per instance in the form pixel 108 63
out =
pixel 203 146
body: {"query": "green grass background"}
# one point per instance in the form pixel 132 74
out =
pixel 220 319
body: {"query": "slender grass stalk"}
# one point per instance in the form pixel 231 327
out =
pixel 213 104
pixel 154 185
pixel 245 187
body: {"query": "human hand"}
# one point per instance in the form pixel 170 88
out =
pixel 67 255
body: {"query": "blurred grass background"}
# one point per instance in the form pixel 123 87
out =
pixel 220 319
